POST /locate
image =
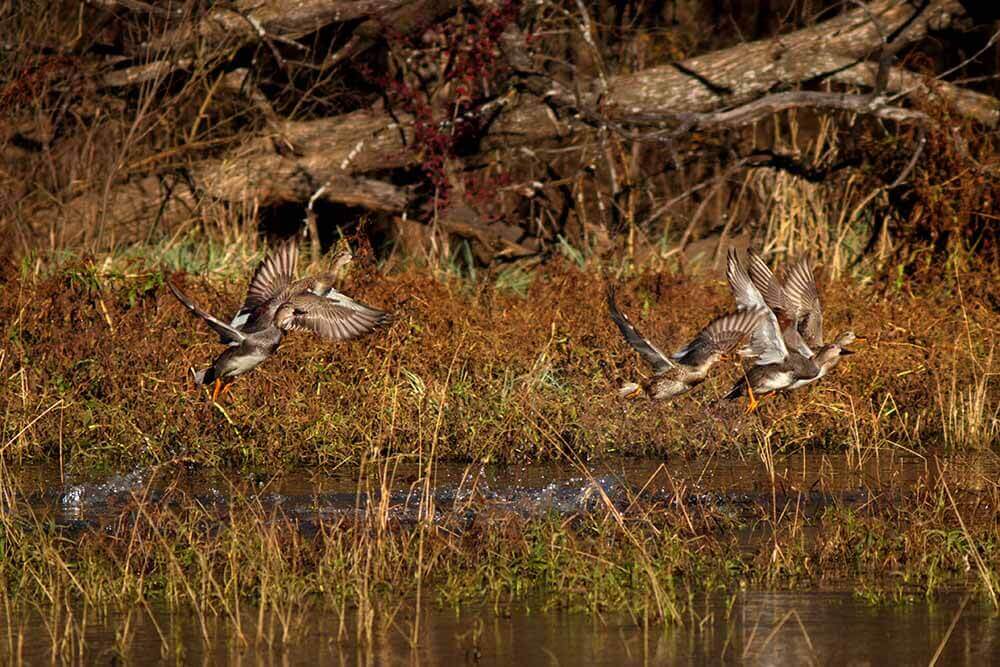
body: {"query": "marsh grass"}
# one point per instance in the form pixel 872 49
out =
pixel 95 352
pixel 266 576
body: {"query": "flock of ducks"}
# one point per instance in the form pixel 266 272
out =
pixel 777 326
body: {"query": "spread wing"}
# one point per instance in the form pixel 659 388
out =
pixel 228 334
pixel 745 292
pixel 767 284
pixel 766 342
pixel 723 335
pixel 649 352
pixel 801 292
pixel 335 317
pixel 273 274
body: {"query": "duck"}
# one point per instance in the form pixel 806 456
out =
pixel 275 304
pixel 783 360
pixel 796 303
pixel 688 367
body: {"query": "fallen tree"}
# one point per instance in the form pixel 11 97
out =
pixel 354 158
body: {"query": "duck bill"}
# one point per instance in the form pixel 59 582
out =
pixel 844 352
pixel 861 339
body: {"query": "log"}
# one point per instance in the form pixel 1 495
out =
pixel 343 159
pixel 737 75
pixel 284 21
pixel 290 19
pixel 373 140
pixel 315 152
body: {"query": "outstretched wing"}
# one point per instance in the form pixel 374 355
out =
pixel 335 317
pixel 745 292
pixel 767 284
pixel 767 345
pixel 723 335
pixel 766 342
pixel 228 334
pixel 272 276
pixel 649 352
pixel 801 292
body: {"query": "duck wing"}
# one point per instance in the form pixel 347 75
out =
pixel 767 284
pixel 227 333
pixel 745 291
pixel 334 317
pixel 767 345
pixel 802 295
pixel 766 342
pixel 723 335
pixel 272 277
pixel 649 352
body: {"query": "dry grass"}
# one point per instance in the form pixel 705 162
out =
pixel 95 354
pixel 267 577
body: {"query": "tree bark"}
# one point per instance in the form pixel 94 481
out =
pixel 345 158
pixel 277 20
pixel 290 19
pixel 373 140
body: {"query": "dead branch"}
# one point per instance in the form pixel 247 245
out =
pixel 967 103
pixel 719 90
pixel 373 140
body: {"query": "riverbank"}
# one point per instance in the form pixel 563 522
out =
pixel 516 367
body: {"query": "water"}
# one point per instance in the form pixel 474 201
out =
pixel 748 626
pixel 760 628
pixel 811 482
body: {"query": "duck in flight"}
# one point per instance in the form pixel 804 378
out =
pixel 689 366
pixel 275 304
pixel 783 358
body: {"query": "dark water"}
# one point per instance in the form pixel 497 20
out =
pixel 811 482
pixel 750 628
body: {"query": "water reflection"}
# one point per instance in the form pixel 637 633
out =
pixel 760 628
pixel 765 628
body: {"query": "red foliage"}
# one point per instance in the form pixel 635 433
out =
pixel 30 79
pixel 451 115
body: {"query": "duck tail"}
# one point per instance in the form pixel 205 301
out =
pixel 739 389
pixel 203 376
